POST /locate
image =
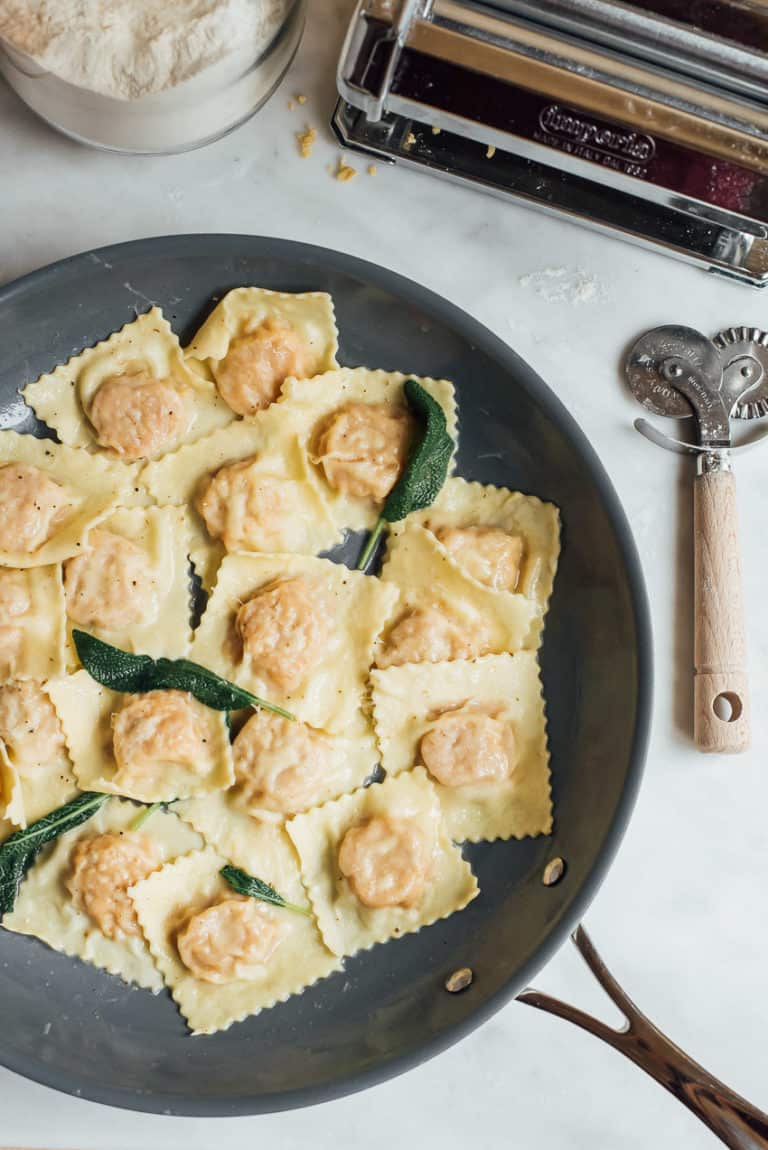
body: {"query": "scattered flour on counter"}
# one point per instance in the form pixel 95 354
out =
pixel 127 49
pixel 574 286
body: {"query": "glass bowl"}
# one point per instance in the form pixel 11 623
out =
pixel 189 115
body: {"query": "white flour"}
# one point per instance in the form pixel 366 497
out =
pixel 126 49
pixel 147 75
pixel 565 285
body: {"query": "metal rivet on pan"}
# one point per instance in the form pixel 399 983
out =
pixel 459 980
pixel 553 871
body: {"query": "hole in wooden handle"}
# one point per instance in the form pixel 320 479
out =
pixel 727 706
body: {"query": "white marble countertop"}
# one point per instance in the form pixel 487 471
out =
pixel 682 916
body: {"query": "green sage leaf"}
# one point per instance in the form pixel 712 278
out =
pixel 427 467
pixel 426 470
pixel 135 674
pixel 19 851
pixel 244 883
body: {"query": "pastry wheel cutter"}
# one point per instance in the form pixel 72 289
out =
pixel 676 371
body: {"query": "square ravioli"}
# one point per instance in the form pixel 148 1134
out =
pixel 34 792
pixel 354 427
pixel 380 863
pixel 75 896
pixel 442 614
pixel 247 491
pixel 131 395
pixel 36 768
pixel 501 539
pixel 254 339
pixel 32 627
pixel 130 583
pixel 295 630
pixel 225 957
pixel 480 730
pixel 11 797
pixel 157 747
pixel 51 496
pixel 282 767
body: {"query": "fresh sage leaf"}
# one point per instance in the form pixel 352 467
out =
pixel 243 883
pixel 426 470
pixel 134 674
pixel 424 475
pixel 18 852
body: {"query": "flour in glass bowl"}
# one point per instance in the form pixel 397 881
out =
pixel 130 48
pixel 203 65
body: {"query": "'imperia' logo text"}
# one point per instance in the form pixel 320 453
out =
pixel 569 125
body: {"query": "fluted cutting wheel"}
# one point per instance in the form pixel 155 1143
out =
pixel 743 353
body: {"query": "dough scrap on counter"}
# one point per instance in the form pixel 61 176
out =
pixel 461 504
pixel 151 609
pixel 45 907
pixel 167 900
pixel 351 607
pixel 64 397
pixel 88 713
pixel 431 587
pixel 32 623
pixel 346 923
pixel 301 523
pixel 513 801
pixel 254 339
pixel 92 486
pixel 306 406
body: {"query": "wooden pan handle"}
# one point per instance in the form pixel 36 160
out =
pixel 721 697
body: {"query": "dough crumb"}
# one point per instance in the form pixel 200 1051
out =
pixel 490 151
pixel 291 105
pixel 344 172
pixel 306 141
pixel 301 99
pixel 410 140
pixel 371 169
pixel 435 130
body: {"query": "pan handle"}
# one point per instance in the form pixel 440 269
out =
pixel 735 1121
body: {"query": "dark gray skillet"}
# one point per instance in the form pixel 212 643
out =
pixel 67 1025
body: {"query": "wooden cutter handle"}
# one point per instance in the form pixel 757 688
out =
pixel 721 698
